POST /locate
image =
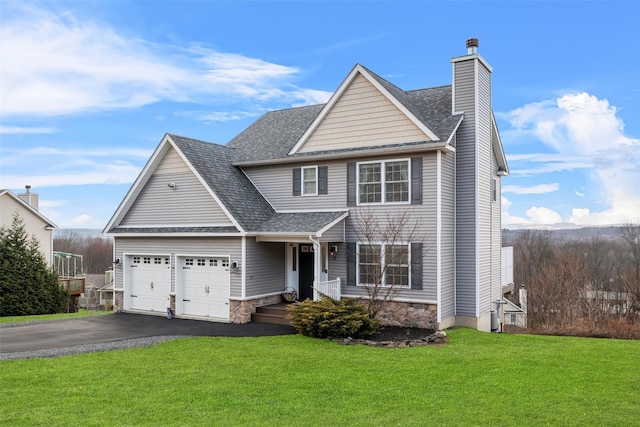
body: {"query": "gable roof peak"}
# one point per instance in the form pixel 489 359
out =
pixel 394 94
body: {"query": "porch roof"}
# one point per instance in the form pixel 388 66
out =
pixel 300 224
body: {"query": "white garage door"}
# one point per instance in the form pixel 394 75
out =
pixel 150 282
pixel 205 287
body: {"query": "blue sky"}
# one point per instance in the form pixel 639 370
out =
pixel 89 88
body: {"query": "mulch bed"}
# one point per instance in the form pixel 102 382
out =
pixel 396 336
pixel 398 333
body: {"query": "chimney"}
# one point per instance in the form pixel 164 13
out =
pixel 29 198
pixel 472 46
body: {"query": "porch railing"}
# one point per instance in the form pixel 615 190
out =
pixel 330 288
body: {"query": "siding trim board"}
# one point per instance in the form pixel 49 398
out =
pixel 439 235
pixel 477 184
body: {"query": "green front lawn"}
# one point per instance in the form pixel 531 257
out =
pixel 477 379
pixel 81 313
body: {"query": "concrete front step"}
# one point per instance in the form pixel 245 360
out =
pixel 275 314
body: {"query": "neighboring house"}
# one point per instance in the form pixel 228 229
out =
pixel 35 224
pixel 612 302
pixel 214 231
pixel 90 299
pixel 98 291
pixel 514 309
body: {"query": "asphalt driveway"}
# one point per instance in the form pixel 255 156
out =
pixel 39 336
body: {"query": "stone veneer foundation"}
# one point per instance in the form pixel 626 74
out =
pixel 240 311
pixel 408 314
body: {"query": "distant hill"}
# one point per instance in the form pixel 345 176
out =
pixel 570 234
pixel 83 232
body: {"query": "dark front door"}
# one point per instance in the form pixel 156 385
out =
pixel 305 271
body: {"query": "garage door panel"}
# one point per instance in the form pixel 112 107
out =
pixel 205 287
pixel 150 283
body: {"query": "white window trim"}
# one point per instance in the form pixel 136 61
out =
pixel 382 261
pixel 302 186
pixel 383 182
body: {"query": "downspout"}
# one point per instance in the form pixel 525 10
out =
pixel 317 264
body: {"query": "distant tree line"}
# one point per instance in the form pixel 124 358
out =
pixel 96 251
pixel 589 288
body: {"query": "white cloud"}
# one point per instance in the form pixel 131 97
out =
pixel 108 174
pixel 82 220
pixel 585 132
pixel 62 65
pixel 23 130
pixel 543 216
pixel 535 189
pixel 217 116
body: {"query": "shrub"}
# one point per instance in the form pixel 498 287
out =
pixel 330 318
pixel 27 285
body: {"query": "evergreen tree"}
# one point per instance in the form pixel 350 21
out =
pixel 27 285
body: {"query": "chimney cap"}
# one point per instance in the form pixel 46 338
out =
pixel 473 43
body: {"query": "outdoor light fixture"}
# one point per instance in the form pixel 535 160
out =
pixel 234 266
pixel 333 251
pixel 172 185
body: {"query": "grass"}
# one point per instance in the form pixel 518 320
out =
pixel 41 317
pixel 477 379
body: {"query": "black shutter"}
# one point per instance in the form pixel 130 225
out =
pixel 351 184
pixel 416 180
pixel 416 266
pixel 351 263
pixel 322 179
pixel 297 184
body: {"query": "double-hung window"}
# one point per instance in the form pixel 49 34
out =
pixel 383 182
pixel 310 181
pixel 383 264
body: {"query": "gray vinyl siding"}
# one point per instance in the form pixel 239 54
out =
pixel 496 229
pixel 176 246
pixel 485 205
pixel 338 265
pixel 466 187
pixel 276 185
pixel 334 234
pixel 265 267
pixel 447 236
pixel 189 204
pixel 425 219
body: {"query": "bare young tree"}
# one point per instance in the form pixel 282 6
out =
pixel 96 251
pixel 384 254
pixel 630 234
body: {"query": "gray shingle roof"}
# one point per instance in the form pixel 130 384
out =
pixel 273 135
pixel 299 222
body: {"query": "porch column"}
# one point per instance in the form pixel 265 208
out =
pixel 317 265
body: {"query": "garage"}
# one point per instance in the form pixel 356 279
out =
pixel 149 282
pixel 203 288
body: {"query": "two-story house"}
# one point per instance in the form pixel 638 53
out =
pixel 214 231
pixel 25 205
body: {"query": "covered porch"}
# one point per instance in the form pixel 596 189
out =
pixel 312 242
